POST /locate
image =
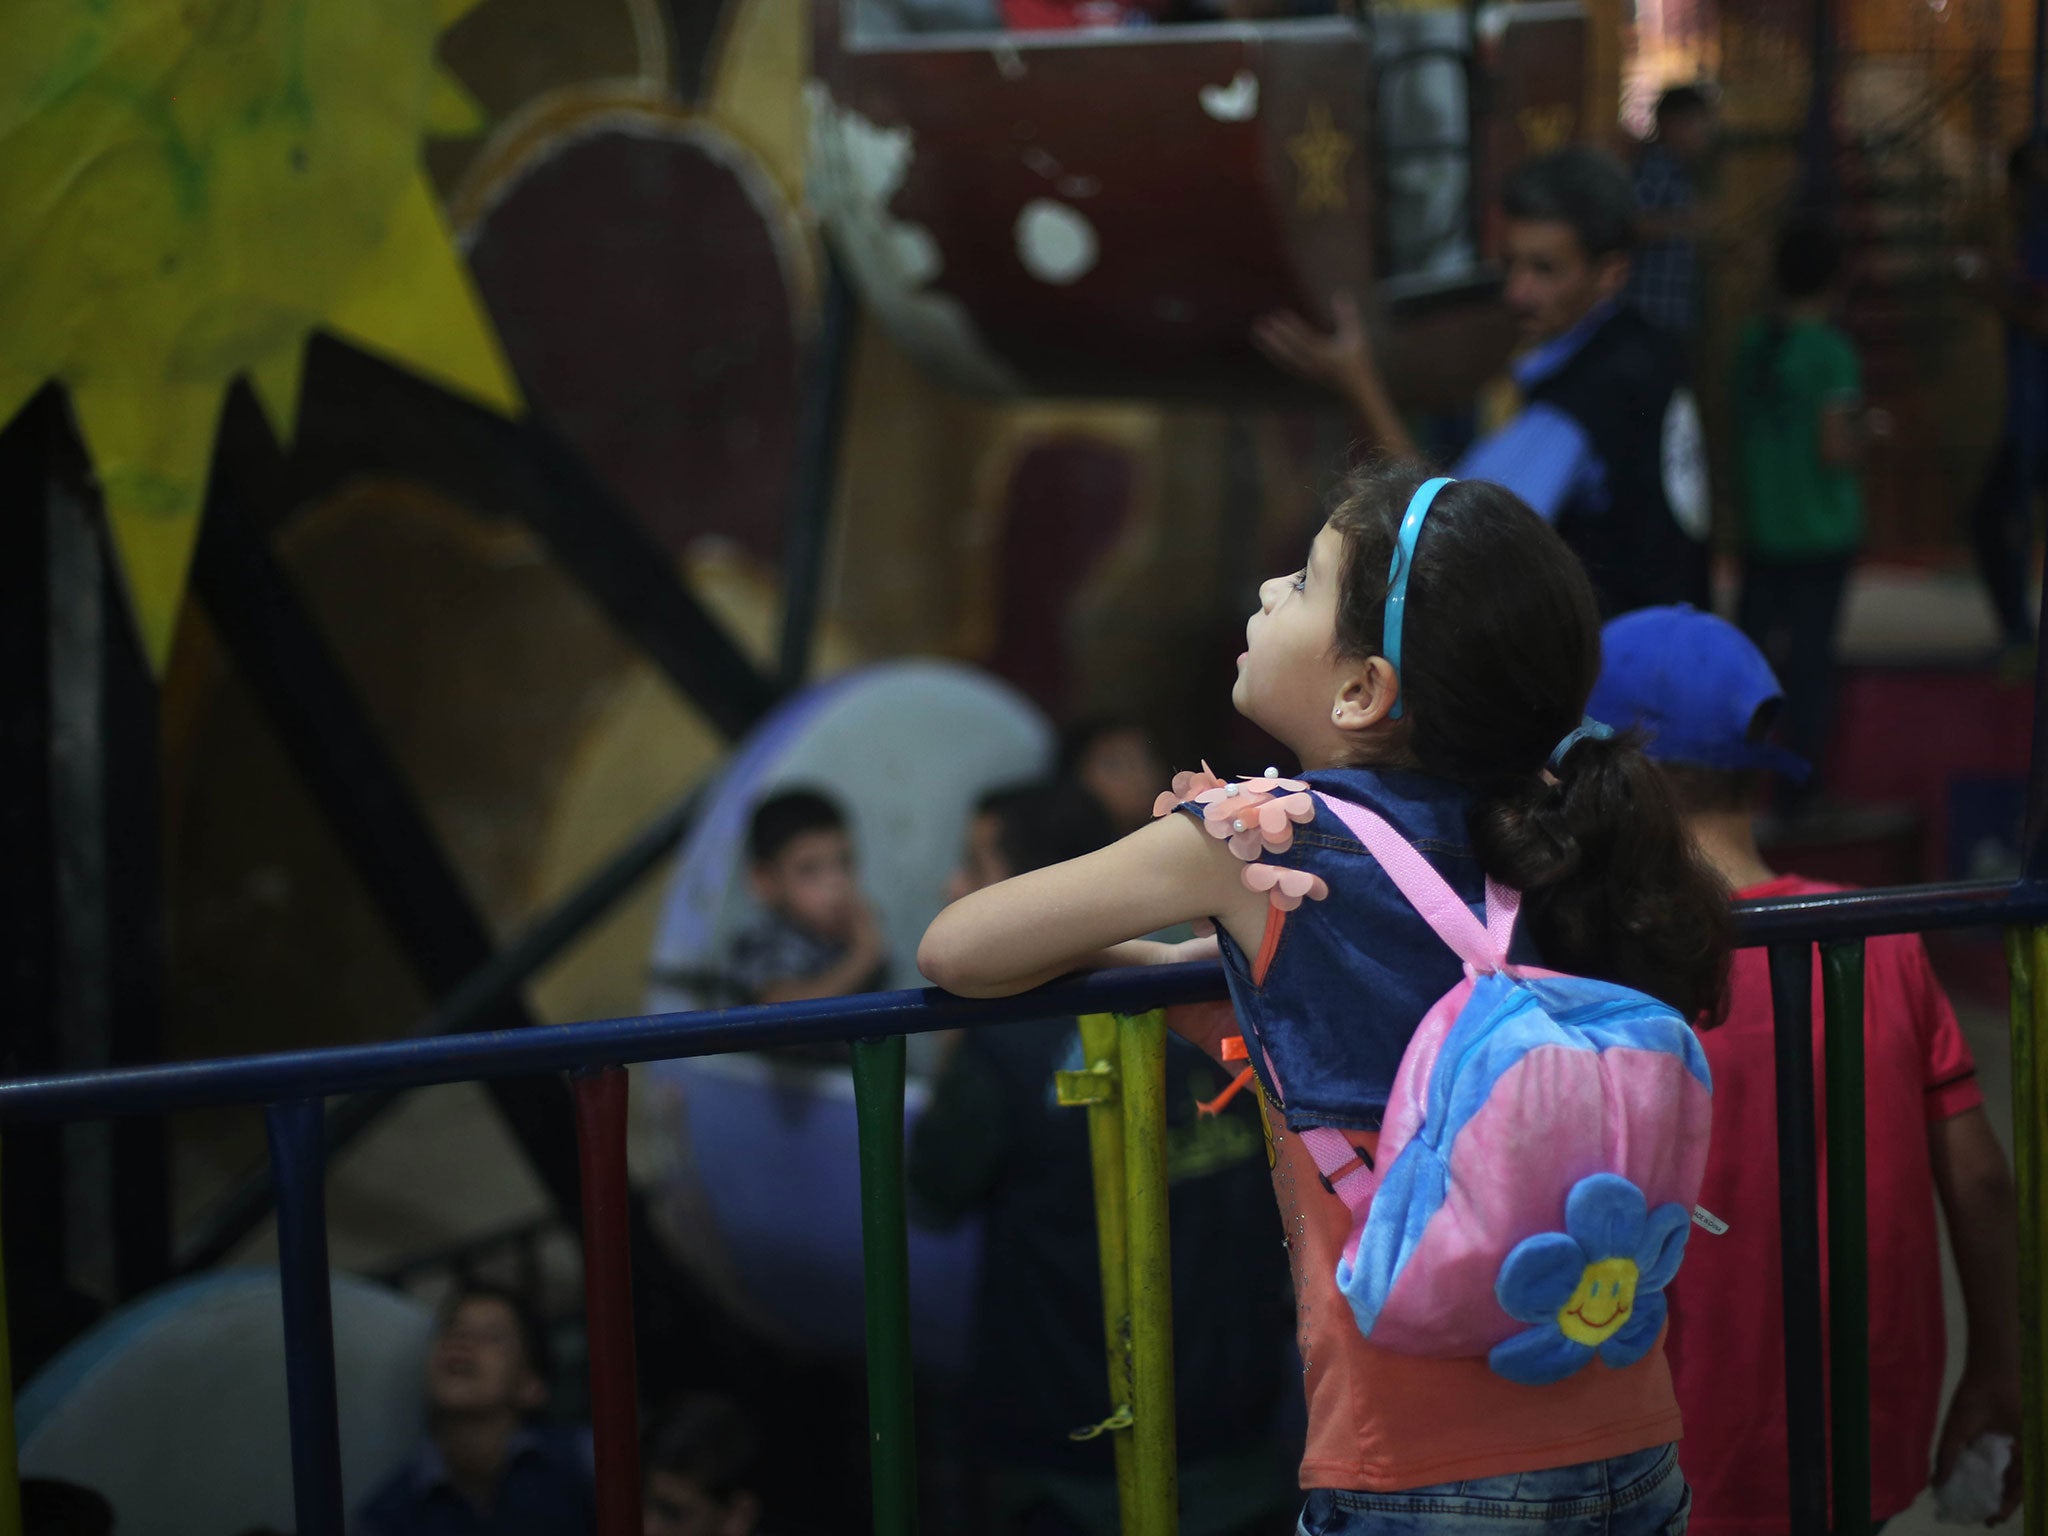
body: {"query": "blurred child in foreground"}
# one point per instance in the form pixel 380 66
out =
pixel 996 1141
pixel 1705 698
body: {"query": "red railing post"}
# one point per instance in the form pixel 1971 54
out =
pixel 608 1297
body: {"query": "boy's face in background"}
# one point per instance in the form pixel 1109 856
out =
pixel 982 864
pixel 478 1363
pixel 812 883
pixel 676 1506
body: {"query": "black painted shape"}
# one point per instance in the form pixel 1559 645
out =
pixel 363 417
pixel 320 722
pixel 245 1207
pixel 44 1310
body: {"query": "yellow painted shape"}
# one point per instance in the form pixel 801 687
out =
pixel 190 189
pixel 17 386
pixel 757 84
pixel 413 301
pixel 1320 152
pixel 452 113
pixel 1604 1301
pixel 151 447
pixel 276 380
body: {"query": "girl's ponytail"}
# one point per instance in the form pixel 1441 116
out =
pixel 1612 886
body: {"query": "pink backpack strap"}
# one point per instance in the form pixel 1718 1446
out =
pixel 1483 947
pixel 1342 1166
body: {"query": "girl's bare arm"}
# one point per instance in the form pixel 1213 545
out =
pixel 1088 912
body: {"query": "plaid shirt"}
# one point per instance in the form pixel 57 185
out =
pixel 777 950
pixel 1664 281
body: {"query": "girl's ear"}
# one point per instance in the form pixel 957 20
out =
pixel 1366 695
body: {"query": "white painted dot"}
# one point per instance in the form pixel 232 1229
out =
pixel 1056 243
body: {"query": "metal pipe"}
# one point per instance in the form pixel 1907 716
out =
pixel 2040 86
pixel 655 1037
pixel 1102 1056
pixel 295 1152
pixel 564 1047
pixel 1799 1234
pixel 1817 147
pixel 608 1297
pixel 804 540
pixel 1848 1238
pixel 2027 954
pixel 1898 909
pixel 885 1265
pixel 1142 1042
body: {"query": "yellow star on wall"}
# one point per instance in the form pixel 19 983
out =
pixel 1320 152
pixel 190 190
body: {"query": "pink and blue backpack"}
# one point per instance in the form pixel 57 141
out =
pixel 1538 1160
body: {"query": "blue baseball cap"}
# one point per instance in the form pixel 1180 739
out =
pixel 1694 684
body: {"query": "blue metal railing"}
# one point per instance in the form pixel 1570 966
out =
pixel 292 1085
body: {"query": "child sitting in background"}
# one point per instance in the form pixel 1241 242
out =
pixel 816 936
pixel 1705 697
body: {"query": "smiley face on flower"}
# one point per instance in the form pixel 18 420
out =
pixel 1595 1288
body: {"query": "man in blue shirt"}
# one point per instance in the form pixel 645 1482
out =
pixel 1607 442
pixel 487 1469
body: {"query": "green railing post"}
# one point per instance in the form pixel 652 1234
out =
pixel 1097 1086
pixel 10 1469
pixel 885 1251
pixel 2027 953
pixel 1143 1051
pixel 1848 1238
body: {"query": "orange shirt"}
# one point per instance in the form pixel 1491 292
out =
pixel 1383 1421
pixel 1380 1421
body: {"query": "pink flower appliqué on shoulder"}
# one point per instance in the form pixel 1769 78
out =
pixel 1186 786
pixel 1256 815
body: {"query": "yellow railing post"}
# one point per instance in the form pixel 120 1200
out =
pixel 2027 953
pixel 1143 1042
pixel 1096 1087
pixel 1124 1086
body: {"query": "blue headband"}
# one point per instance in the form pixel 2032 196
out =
pixel 1397 573
pixel 1588 729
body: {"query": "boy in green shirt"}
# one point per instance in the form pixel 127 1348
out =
pixel 1801 427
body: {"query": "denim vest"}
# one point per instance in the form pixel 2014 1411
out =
pixel 1353 974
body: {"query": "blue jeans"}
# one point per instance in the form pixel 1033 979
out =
pixel 1642 1494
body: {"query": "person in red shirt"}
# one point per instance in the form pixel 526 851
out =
pixel 1705 698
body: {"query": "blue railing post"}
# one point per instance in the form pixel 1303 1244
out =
pixel 299 1162
pixel 1799 1235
